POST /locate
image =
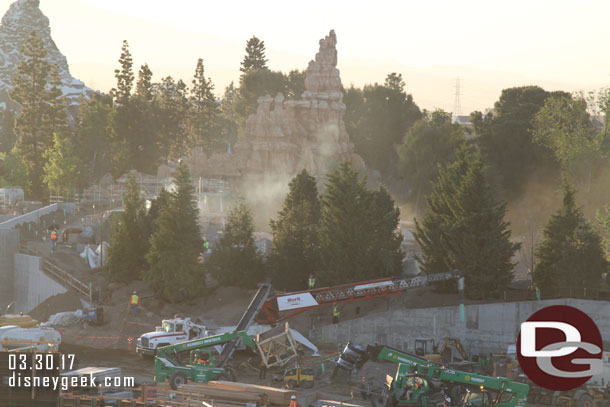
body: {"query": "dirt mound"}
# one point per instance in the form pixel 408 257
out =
pixel 68 301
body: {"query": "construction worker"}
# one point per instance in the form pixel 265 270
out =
pixel 53 239
pixel 336 314
pixel 206 244
pixel 134 303
pixel 311 282
pixel 293 401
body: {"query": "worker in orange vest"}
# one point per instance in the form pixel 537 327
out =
pixel 293 401
pixel 53 238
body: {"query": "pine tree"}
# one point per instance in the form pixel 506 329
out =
pixel 14 170
pixel 30 92
pixel 234 260
pixel 127 247
pixel 173 110
pixel 144 85
pixel 571 255
pixel 174 272
pixel 204 119
pixel 255 55
pixel 124 76
pixel 385 237
pixel 464 228
pixel 344 227
pixel 296 250
pixel 56 118
pixel 230 119
pixel 62 169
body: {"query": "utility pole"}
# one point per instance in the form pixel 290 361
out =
pixel 457 106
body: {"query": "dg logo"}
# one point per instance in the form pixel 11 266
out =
pixel 560 348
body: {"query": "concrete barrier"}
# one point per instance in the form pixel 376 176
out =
pixel 35 214
pixel 31 285
pixel 487 327
pixel 9 246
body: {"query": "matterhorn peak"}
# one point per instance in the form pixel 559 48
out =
pixel 23 17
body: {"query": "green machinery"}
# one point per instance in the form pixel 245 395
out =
pixel 420 382
pixel 202 365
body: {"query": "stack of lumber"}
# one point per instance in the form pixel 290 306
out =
pixel 230 394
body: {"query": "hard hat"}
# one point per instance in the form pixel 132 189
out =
pixel 134 291
pixel 293 397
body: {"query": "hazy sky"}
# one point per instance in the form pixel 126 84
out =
pixel 490 45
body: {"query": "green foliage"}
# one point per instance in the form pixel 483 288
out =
pixel 7 130
pixel 173 109
pixel 255 55
pixel 431 141
pixel 204 120
pixel 234 260
pixel 14 171
pixel 229 117
pixel 377 119
pixel 564 126
pixel 358 230
pixel 39 109
pixel 296 250
pixel 506 139
pixel 124 76
pixel 144 86
pixel 464 228
pixel 571 254
pixel 127 249
pixel 61 171
pixel 94 136
pixel 602 221
pixel 256 83
pixel 174 272
pixel 295 84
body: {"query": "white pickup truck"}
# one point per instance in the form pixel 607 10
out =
pixel 170 332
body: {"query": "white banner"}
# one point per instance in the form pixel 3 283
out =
pixel 295 301
pixel 373 285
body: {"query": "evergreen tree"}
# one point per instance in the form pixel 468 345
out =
pixel 95 136
pixel 56 118
pixel 295 84
pixel 358 239
pixel 295 253
pixel 127 249
pixel 230 119
pixel 234 260
pixel 124 76
pixel 254 84
pixel 386 255
pixel 255 55
pixel 61 171
pixel 30 92
pixel 7 130
pixel 464 228
pixel 144 87
pixel 174 272
pixel 173 110
pixel 204 119
pixel 571 255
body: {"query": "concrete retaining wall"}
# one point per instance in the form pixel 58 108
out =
pixel 31 285
pixel 9 245
pixel 487 327
pixel 34 215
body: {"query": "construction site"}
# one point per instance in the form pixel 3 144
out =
pixel 393 341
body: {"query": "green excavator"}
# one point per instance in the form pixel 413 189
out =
pixel 423 383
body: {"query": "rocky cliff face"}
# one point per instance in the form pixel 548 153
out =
pixel 284 136
pixel 22 17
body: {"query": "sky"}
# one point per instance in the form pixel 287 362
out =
pixel 489 45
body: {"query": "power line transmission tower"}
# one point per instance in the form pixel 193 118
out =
pixel 457 106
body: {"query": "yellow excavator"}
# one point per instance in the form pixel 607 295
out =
pixel 442 353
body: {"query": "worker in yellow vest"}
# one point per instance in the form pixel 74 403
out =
pixel 311 282
pixel 336 314
pixel 53 239
pixel 134 303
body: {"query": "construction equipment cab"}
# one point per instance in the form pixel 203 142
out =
pixel 299 377
pixel 171 331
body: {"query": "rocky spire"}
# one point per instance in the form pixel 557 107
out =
pixel 22 17
pixel 322 79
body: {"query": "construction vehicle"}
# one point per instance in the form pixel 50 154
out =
pixel 299 377
pixel 20 320
pixel 171 331
pixel 42 339
pixel 458 359
pixel 284 306
pixel 420 376
pixel 168 361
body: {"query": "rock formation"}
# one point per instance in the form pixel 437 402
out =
pixel 22 17
pixel 284 136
